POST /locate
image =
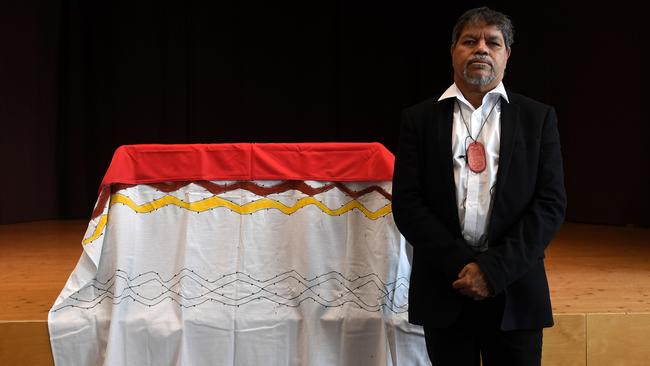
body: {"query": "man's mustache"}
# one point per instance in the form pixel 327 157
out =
pixel 479 58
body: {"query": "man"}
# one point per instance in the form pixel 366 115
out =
pixel 478 191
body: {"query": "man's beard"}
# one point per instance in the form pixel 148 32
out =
pixel 482 80
pixel 479 80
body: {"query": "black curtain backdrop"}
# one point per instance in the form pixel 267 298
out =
pixel 78 78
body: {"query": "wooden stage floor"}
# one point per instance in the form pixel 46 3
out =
pixel 592 270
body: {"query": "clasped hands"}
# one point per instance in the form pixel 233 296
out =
pixel 472 282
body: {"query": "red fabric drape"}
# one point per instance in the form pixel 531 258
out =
pixel 345 162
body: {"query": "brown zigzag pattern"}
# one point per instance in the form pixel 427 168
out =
pixel 104 195
pixel 216 189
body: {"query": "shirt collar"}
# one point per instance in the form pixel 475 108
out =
pixel 454 92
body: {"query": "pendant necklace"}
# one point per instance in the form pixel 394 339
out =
pixel 475 152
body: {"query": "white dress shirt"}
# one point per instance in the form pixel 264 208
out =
pixel 474 190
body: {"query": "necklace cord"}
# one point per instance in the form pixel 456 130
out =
pixel 460 110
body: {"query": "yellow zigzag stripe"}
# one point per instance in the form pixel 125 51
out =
pixel 248 208
pixel 98 230
pixel 214 202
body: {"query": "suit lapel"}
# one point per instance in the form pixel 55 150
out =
pixel 509 128
pixel 445 125
pixel 445 155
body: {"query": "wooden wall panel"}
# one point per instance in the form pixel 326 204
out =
pixel 25 343
pixel 618 339
pixel 565 344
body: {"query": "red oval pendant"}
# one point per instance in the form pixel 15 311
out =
pixel 476 157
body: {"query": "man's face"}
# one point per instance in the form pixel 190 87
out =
pixel 479 57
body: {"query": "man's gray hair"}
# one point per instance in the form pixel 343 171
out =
pixel 489 17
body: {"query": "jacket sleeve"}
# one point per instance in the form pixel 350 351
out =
pixel 525 241
pixel 416 220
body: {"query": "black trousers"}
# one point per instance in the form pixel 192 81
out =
pixel 477 335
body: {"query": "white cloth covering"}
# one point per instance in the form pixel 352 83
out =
pixel 201 281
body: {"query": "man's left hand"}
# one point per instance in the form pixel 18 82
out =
pixel 471 282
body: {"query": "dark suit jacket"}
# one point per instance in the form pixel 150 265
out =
pixel 528 209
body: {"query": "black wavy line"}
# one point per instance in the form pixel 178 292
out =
pixel 106 292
